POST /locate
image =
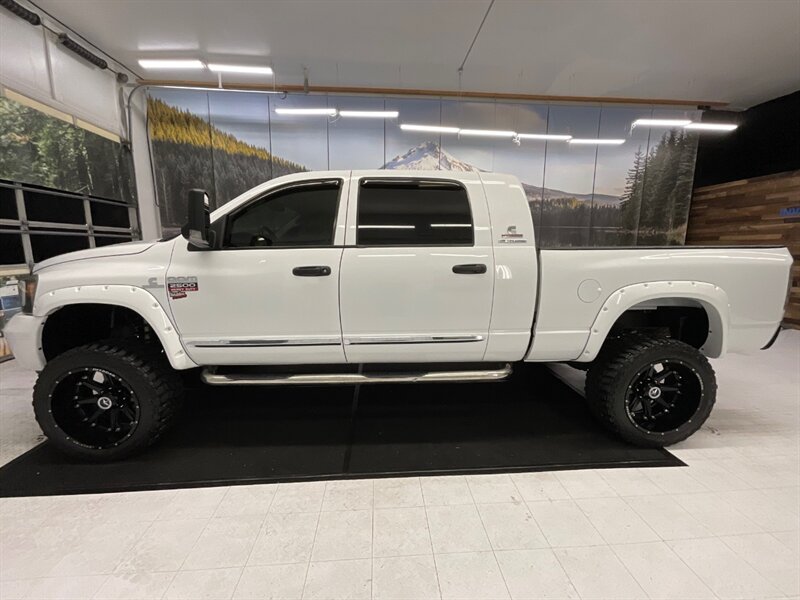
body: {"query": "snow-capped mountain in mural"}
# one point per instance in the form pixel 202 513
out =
pixel 430 156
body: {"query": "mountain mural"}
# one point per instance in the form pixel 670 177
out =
pixel 190 151
pixel 428 156
pixel 431 156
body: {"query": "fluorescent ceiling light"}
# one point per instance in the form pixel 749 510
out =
pixel 607 142
pixel 387 226
pixel 214 89
pixel 450 225
pixel 487 133
pixel 147 63
pixel 218 68
pixel 544 136
pixel 431 128
pixel 370 114
pixel 330 112
pixel 661 122
pixel 711 126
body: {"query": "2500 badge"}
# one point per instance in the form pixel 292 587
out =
pixel 179 287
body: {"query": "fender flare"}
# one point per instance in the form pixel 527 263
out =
pixel 136 299
pixel 711 297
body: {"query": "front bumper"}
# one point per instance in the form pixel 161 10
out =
pixel 24 334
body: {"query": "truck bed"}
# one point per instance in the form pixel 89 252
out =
pixel 745 286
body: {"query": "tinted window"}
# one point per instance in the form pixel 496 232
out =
pixel 296 216
pixel 419 213
pixel 9 302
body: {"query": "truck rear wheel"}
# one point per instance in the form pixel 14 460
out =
pixel 106 401
pixel 651 391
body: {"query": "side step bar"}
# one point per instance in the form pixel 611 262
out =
pixel 213 378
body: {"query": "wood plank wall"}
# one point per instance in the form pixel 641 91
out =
pixel 749 212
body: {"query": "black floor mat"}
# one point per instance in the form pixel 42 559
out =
pixel 238 435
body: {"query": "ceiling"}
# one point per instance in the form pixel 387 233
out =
pixel 742 52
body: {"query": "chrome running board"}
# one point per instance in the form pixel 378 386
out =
pixel 213 378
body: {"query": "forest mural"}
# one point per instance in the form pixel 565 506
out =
pixel 39 149
pixel 637 193
pixel 186 145
pixel 658 189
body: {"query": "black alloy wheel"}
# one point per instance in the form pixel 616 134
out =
pixel 650 391
pixel 107 400
pixel 663 396
pixel 95 407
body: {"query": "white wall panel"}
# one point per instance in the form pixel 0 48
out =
pixel 23 65
pixel 78 88
pixel 90 93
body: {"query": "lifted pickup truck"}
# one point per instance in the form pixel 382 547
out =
pixel 378 276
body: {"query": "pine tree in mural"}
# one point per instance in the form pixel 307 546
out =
pixel 189 152
pixel 631 199
pixel 39 149
pixel 658 189
pixel 667 189
pixel 682 192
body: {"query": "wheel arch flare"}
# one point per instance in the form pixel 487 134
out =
pixel 708 296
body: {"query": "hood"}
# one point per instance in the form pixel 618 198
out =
pixel 103 252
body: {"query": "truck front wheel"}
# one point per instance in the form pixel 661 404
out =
pixel 106 401
pixel 651 391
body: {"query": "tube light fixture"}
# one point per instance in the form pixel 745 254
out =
pixel 487 133
pixel 544 136
pixel 711 126
pixel 370 114
pixel 152 63
pixel 329 112
pixel 597 142
pixel 429 128
pixel 249 69
pixel 21 12
pixel 203 88
pixel 661 122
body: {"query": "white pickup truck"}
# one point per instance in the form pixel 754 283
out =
pixel 381 276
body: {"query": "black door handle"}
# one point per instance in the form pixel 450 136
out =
pixel 476 269
pixel 320 271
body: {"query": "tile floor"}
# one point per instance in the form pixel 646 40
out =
pixel 725 527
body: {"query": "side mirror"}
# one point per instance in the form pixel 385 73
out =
pixel 197 229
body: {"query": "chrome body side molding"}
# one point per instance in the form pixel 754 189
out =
pixel 335 341
pixel 411 339
pixel 266 342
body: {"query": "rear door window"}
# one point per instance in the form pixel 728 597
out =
pixel 413 213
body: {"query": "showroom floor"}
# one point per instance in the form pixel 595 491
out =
pixel 727 526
